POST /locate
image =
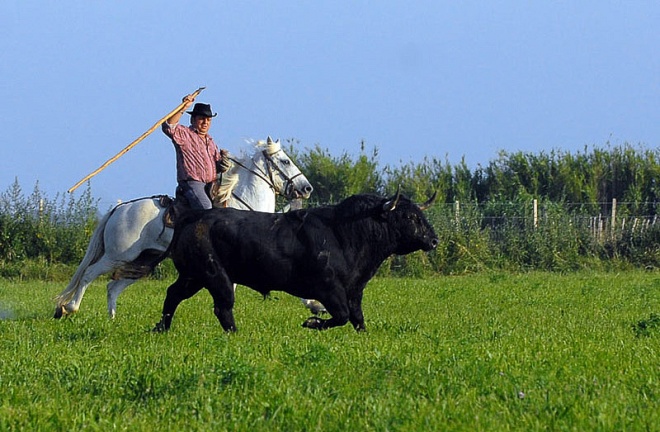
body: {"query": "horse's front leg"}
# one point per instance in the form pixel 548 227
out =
pixel 337 307
pixel 314 306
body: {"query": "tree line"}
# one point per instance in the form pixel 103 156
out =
pixel 483 214
pixel 624 172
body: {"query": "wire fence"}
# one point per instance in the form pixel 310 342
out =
pixel 543 235
pixel 604 220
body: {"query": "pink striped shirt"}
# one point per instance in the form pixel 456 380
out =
pixel 196 154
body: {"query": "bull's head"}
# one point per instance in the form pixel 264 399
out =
pixel 406 218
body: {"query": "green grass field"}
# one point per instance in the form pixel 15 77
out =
pixel 487 352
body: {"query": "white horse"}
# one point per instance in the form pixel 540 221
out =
pixel 133 237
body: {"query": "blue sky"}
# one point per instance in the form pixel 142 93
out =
pixel 443 79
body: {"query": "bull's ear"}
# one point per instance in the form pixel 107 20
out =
pixel 429 202
pixel 392 203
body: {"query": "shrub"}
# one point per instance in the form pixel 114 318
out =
pixel 35 227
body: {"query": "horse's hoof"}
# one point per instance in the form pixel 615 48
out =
pixel 59 312
pixel 315 323
pixel 315 306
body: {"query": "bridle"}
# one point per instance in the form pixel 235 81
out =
pixel 267 175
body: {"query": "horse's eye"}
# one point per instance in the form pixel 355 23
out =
pixel 286 161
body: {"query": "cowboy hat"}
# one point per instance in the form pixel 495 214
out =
pixel 203 110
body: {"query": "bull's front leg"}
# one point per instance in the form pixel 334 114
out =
pixel 226 318
pixel 317 323
pixel 221 289
pixel 355 311
pixel 164 324
pixel 177 292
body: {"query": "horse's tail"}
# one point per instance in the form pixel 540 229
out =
pixel 94 252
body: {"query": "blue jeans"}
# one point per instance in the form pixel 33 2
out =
pixel 195 193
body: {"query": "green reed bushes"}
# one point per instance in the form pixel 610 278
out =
pixel 35 228
pixel 336 177
pixel 626 173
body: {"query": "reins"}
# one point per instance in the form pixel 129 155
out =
pixel 261 175
pixel 266 176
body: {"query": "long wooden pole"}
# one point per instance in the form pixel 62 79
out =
pixel 134 143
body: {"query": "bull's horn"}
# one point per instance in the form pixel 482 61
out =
pixel 429 202
pixel 391 204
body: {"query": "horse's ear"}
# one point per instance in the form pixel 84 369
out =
pixel 269 140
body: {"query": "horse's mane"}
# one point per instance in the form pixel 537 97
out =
pixel 223 189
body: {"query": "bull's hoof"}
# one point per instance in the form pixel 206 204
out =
pixel 160 328
pixel 315 323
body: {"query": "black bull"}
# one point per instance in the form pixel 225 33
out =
pixel 326 253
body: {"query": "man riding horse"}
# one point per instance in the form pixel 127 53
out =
pixel 198 159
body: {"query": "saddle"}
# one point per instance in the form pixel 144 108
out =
pixel 167 203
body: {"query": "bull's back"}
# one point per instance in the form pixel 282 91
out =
pixel 264 251
pixel 260 250
pixel 232 236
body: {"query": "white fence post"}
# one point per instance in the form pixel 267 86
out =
pixel 613 226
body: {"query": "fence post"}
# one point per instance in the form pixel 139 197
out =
pixel 613 226
pixel 41 209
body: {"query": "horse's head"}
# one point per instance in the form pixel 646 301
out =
pixel 253 177
pixel 284 176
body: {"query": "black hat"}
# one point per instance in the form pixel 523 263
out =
pixel 203 110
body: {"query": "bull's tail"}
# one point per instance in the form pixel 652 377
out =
pixel 94 252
